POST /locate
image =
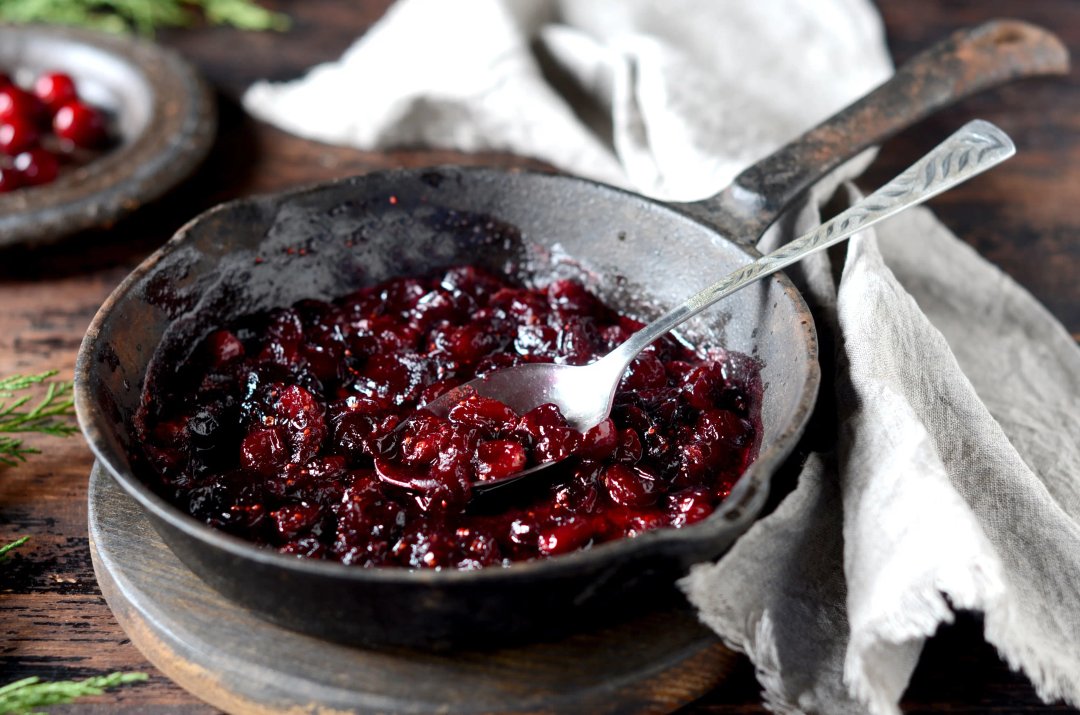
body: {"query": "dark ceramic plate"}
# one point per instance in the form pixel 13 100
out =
pixel 164 115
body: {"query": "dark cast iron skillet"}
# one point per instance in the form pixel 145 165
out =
pixel 639 254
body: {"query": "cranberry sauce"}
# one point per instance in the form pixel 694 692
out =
pixel 281 427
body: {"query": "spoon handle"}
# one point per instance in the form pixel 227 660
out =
pixel 974 148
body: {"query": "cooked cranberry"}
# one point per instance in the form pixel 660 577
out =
pixel 701 385
pixel 80 124
pixel 638 521
pixel 284 428
pixel 466 343
pixel 423 438
pixel 471 281
pixel 294 519
pixel 305 425
pixel 537 341
pixel 724 426
pixel 535 423
pixel 556 444
pixel 689 506
pixel 628 450
pixel 566 535
pixel 524 533
pixel 599 442
pixel 571 298
pixel 645 373
pixel 304 547
pixel 55 89
pixel 578 341
pixel 580 495
pixel 36 166
pixel 17 134
pixel 483 413
pixel 263 450
pixel 499 458
pixel 630 486
pixel 224 347
pixel 480 548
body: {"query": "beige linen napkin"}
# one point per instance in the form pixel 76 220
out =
pixel 955 482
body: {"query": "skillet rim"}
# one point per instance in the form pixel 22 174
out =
pixel 735 514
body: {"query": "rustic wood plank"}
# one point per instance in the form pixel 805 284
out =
pixel 230 657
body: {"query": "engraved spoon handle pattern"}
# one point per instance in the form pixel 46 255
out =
pixel 974 148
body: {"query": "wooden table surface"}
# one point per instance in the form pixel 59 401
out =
pixel 1024 216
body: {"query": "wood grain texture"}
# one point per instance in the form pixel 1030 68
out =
pixel 233 659
pixel 54 622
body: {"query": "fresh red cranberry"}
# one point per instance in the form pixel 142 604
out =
pixel 17 102
pixel 9 179
pixel 37 166
pixel 17 134
pixel 5 79
pixel 55 89
pixel 80 124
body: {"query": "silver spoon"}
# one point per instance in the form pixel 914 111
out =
pixel 585 393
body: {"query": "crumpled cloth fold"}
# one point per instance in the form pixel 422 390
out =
pixel 954 482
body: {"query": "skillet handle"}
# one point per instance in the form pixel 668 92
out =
pixel 969 61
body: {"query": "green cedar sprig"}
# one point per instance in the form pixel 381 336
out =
pixel 23 697
pixel 13 545
pixel 50 415
pixel 142 16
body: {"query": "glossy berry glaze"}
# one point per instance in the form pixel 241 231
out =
pixel 281 428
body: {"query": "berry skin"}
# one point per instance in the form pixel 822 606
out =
pixel 17 134
pixel 80 124
pixel 17 102
pixel 37 166
pixel 499 458
pixel 9 180
pixel 55 89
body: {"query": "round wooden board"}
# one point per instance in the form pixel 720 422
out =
pixel 232 659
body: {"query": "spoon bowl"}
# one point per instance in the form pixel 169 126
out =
pixel 585 394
